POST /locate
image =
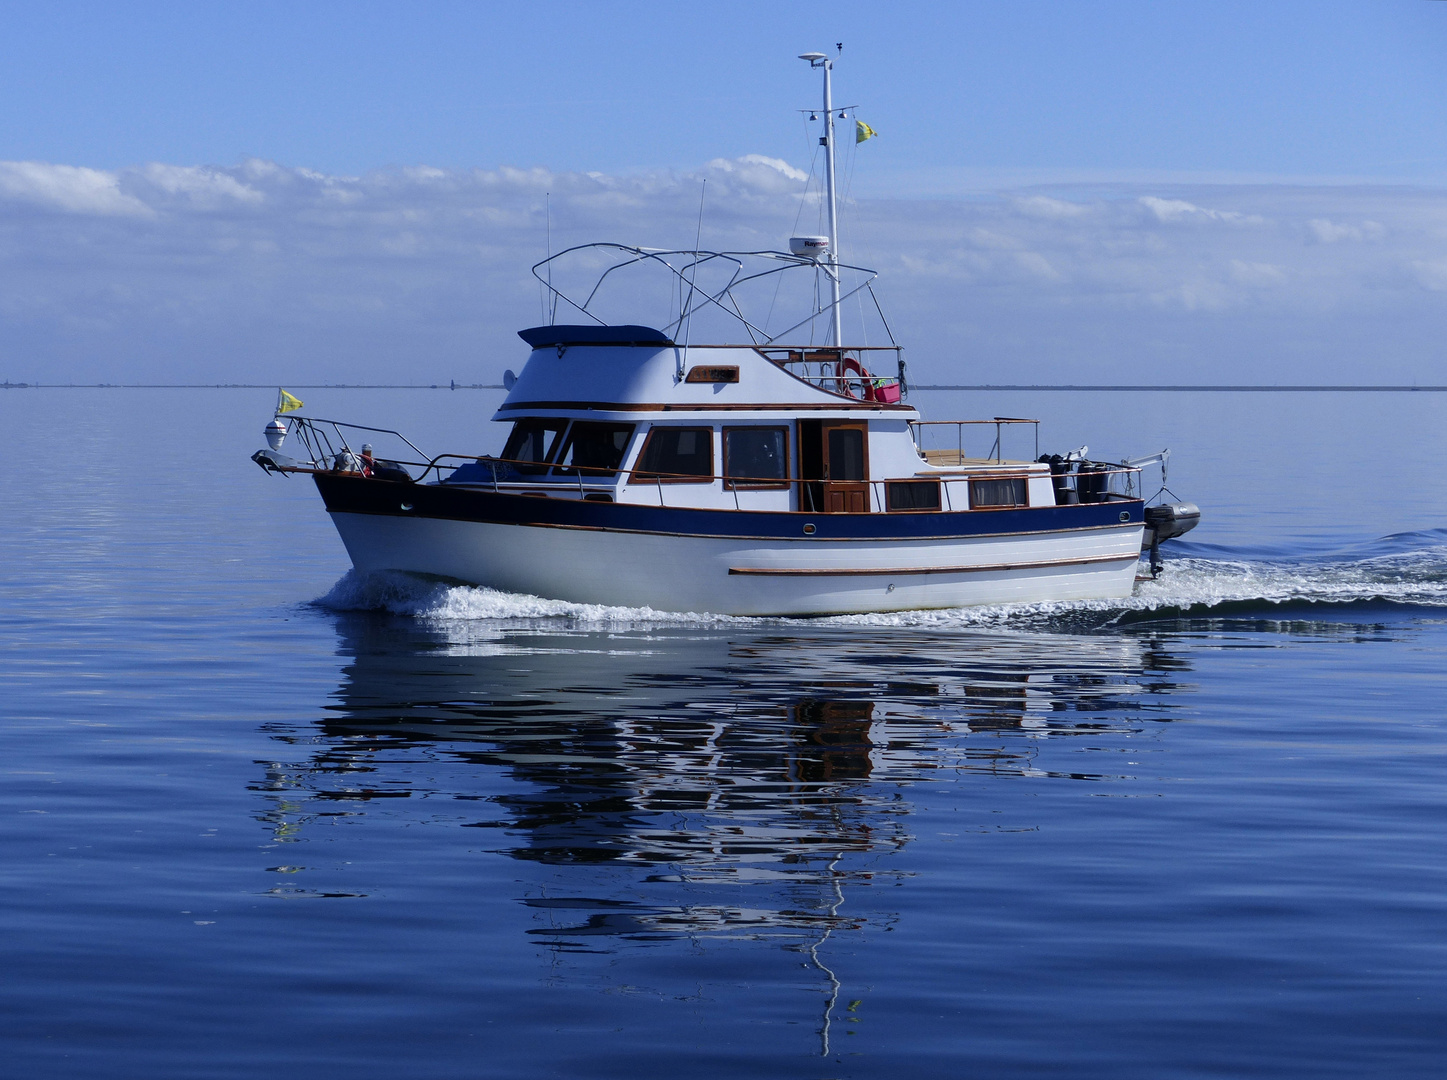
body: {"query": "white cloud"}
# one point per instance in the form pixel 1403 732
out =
pixel 1256 274
pixel 260 271
pixel 202 186
pixel 1046 207
pixel 1036 265
pixel 1432 274
pixel 782 167
pixel 1330 232
pixel 66 187
pixel 1177 210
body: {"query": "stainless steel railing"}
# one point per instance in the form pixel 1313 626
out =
pixel 330 450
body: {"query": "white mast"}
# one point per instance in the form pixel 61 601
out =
pixel 819 60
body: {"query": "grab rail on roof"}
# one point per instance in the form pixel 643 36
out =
pixel 693 299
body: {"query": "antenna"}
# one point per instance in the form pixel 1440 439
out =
pixel 687 313
pixel 831 268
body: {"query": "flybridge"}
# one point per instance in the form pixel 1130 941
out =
pixel 729 300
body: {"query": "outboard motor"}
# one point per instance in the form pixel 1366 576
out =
pixel 1171 520
pixel 1166 522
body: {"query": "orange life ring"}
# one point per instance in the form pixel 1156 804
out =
pixel 846 384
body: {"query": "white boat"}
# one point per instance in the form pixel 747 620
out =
pixel 766 473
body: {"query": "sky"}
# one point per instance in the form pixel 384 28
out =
pixel 1059 192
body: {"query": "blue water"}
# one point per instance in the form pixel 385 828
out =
pixel 259 816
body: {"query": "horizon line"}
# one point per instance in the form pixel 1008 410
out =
pixel 1193 387
pixel 1044 387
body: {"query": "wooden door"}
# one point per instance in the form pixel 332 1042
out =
pixel 846 468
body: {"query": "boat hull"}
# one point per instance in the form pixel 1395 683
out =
pixel 737 563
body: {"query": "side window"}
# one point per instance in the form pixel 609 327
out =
pixel 756 457
pixel 594 449
pixel 676 455
pixel 533 440
pixel 913 494
pixel 1009 491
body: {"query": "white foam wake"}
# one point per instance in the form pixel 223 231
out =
pixel 1197 585
pixel 1416 577
pixel 402 594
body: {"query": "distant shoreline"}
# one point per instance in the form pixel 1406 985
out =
pixel 1231 389
pixel 248 386
pixel 1083 387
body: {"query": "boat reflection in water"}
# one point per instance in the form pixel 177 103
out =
pixel 751 777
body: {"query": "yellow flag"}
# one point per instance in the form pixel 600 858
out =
pixel 862 131
pixel 286 402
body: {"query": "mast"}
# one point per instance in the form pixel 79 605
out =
pixel 819 60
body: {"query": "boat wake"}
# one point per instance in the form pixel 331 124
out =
pixel 1408 570
pixel 403 594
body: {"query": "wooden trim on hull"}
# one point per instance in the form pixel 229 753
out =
pixel 898 571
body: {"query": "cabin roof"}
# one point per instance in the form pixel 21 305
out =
pixel 540 337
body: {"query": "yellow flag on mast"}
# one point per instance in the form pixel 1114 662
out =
pixel 862 131
pixel 286 403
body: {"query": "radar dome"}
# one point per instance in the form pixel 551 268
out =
pixel 809 247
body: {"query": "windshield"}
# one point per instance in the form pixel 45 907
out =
pixel 533 440
pixel 596 449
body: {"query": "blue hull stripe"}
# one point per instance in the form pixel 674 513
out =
pixel 357 495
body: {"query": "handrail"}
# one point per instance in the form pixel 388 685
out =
pixel 656 478
pixel 734 484
pixel 311 421
pixel 999 423
pixel 312 433
pixel 548 471
pixel 830 361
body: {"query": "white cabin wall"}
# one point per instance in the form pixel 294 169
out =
pixel 779 500
pixel 615 373
pixel 710 496
pixel 705 496
pixel 955 493
pixel 1041 491
pixel 692 496
pixel 892 453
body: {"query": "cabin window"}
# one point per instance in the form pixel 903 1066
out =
pixel 913 494
pixel 594 449
pixel 533 440
pixel 1008 491
pixel 756 457
pixel 676 455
